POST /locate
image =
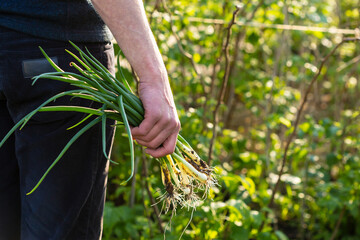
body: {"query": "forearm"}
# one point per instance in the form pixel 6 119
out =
pixel 127 21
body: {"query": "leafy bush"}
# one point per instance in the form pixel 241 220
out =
pixel 270 69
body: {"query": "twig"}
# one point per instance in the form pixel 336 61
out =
pixel 231 103
pixel 209 94
pixel 218 44
pixel 297 120
pixel 336 229
pixel 178 40
pixel 156 6
pixel 145 175
pixel 252 15
pixel 346 65
pixel 224 83
pixel 147 212
pixel 133 183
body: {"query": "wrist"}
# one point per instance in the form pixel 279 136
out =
pixel 153 74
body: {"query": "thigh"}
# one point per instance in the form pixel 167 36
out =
pixel 9 181
pixel 69 202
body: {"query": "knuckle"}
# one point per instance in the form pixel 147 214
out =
pixel 156 114
pixel 178 125
pixel 169 149
pixel 169 119
pixel 172 123
pixel 157 118
pixel 165 119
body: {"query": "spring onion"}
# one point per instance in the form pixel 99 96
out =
pixel 183 172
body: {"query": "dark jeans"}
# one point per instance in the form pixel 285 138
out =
pixel 69 202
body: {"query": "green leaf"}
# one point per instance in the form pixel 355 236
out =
pixel 281 235
pixel 285 122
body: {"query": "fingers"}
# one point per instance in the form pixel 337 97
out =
pixel 166 148
pixel 159 136
pixel 146 126
pixel 158 131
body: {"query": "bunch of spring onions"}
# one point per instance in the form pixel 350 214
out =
pixel 183 172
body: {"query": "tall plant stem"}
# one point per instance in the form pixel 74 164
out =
pixel 224 83
pixel 239 42
pixel 178 40
pixel 336 229
pixel 156 7
pixel 209 94
pixel 133 184
pixel 145 176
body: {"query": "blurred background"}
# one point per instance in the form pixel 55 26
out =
pixel 282 175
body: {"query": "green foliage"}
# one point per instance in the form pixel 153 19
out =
pixel 319 193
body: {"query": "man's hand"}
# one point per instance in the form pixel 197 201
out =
pixel 158 132
pixel 127 21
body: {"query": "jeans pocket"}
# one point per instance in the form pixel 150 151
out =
pixel 23 97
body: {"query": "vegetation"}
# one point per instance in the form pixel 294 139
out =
pixel 275 110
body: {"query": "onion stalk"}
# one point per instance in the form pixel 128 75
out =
pixel 183 172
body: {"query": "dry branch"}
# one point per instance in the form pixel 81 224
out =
pixel 156 7
pixel 178 40
pixel 224 83
pixel 336 229
pixel 145 176
pixel 133 184
pixel 209 94
pixel 231 102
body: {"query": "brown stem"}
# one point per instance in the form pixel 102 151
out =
pixel 133 183
pixel 145 176
pixel 147 212
pixel 209 95
pixel 156 7
pixel 231 110
pixel 231 103
pixel 224 83
pixel 212 91
pixel 252 15
pixel 297 120
pixel 353 61
pixel 230 93
pixel 178 40
pixel 336 229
